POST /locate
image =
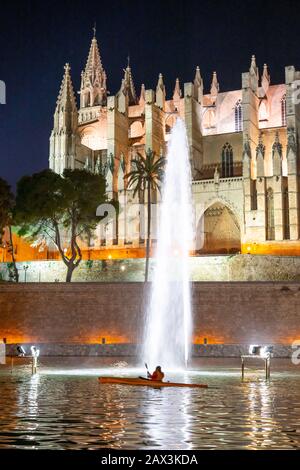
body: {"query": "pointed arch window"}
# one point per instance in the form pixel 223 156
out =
pixel 283 110
pixel 227 161
pixel 238 116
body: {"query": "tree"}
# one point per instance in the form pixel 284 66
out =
pixel 61 209
pixel 7 205
pixel 147 176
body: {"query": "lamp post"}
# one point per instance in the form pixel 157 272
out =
pixel 25 272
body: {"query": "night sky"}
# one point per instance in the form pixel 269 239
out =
pixel 172 37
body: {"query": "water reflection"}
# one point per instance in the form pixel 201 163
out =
pixel 74 411
pixel 165 419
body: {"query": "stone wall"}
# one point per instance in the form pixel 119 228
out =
pixel 78 313
pixel 202 268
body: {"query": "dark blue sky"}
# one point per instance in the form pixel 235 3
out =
pixel 172 37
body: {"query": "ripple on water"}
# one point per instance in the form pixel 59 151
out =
pixel 56 410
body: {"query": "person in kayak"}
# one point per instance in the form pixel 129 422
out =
pixel 157 375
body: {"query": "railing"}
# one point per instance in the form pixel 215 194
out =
pixel 232 179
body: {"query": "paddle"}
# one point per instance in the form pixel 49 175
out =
pixel 148 373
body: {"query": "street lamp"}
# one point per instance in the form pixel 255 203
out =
pixel 25 271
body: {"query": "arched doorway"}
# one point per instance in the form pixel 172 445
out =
pixel 220 231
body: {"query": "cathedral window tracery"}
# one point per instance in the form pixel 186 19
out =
pixel 238 118
pixel 227 161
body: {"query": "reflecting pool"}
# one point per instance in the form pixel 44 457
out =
pixel 64 407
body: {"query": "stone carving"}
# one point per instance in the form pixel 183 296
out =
pixel 260 149
pixel 277 146
pixel 247 148
pixel 291 140
pixel 216 176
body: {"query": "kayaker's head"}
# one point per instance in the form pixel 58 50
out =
pixel 158 369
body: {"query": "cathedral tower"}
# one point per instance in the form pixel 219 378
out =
pixel 63 135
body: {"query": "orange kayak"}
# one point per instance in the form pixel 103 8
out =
pixel 145 383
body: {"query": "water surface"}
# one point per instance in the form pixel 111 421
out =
pixel 64 407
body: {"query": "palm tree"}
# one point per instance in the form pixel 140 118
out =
pixel 147 176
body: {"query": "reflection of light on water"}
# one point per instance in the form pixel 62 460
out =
pixel 33 395
pixel 135 372
pixel 28 407
pixel 113 425
pixel 107 371
pixel 167 416
pixel 58 411
pixel 261 415
pixel 186 402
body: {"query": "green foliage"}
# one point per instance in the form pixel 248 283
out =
pixel 46 198
pixel 7 202
pixel 61 209
pixel 148 172
pixel 89 263
pixel 12 272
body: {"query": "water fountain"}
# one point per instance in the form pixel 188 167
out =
pixel 168 318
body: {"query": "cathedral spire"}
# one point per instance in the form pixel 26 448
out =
pixel 62 139
pixel 160 92
pixel 177 91
pixel 265 80
pixel 142 95
pixel 198 85
pixel 66 98
pixel 253 71
pixel 93 90
pixel 129 84
pixel 214 88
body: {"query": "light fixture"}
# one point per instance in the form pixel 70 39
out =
pixel 34 351
pixel 21 351
pixel 254 349
pixel 266 351
pixel 262 351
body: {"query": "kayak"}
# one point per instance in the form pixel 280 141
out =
pixel 145 382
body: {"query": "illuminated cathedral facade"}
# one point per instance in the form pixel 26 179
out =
pixel 244 151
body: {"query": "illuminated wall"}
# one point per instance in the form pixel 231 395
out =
pixel 227 313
